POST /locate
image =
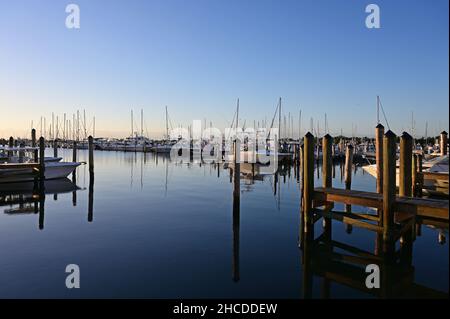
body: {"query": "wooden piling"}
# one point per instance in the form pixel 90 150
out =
pixel 389 186
pixel 308 177
pixel 419 170
pixel 348 167
pixel 327 163
pixel 443 143
pixel 327 143
pixel 91 153
pixel 55 147
pixel 21 153
pixel 414 181
pixel 379 132
pixel 33 144
pixel 41 158
pixel 41 205
pixel 237 168
pixel 91 197
pixel 74 151
pixel 11 145
pixel 405 184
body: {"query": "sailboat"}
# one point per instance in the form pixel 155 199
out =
pixel 166 145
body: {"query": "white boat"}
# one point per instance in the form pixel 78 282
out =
pixel 53 170
pixel 17 159
pixel 431 187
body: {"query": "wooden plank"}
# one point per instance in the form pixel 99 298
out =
pixel 434 176
pixel 424 207
pixel 437 223
pixel 420 206
pixel 351 219
pixel 349 197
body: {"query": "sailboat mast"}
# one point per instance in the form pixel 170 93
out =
pixel 142 122
pixel 132 129
pixel 378 109
pixel 299 125
pixel 237 114
pixel 167 124
pixel 84 124
pixel 279 117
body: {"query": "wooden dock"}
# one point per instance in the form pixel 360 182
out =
pixel 394 214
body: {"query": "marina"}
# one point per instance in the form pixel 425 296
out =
pixel 301 192
pixel 225 158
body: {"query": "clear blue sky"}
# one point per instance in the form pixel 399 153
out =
pixel 199 56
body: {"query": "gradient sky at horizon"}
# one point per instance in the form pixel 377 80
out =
pixel 198 56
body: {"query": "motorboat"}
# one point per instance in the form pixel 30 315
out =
pixel 430 186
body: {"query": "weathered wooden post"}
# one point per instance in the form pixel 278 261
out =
pixel 91 153
pixel 74 151
pixel 419 173
pixel 55 147
pixel 443 143
pixel 379 132
pixel 405 183
pixel 41 158
pixel 327 163
pixel 389 185
pixel 327 143
pixel 11 145
pixel 74 193
pixel 348 166
pixel 91 197
pixel 41 206
pixel 308 177
pixel 414 175
pixel 236 207
pixel 33 144
pixel 21 153
pixel 237 168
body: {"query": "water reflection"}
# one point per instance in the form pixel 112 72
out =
pixel 327 259
pixel 29 197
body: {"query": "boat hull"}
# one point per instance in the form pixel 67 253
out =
pixel 53 170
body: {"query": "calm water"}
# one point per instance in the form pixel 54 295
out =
pixel 160 230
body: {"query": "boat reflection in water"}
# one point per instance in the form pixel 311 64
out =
pixel 29 197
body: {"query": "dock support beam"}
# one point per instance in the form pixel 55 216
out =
pixel 308 177
pixel 91 153
pixel 327 163
pixel 41 158
pixel 389 186
pixel 405 183
pixel 379 132
pixel 414 181
pixel 348 166
pixel 419 170
pixel 55 147
pixel 33 144
pixel 11 145
pixel 327 143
